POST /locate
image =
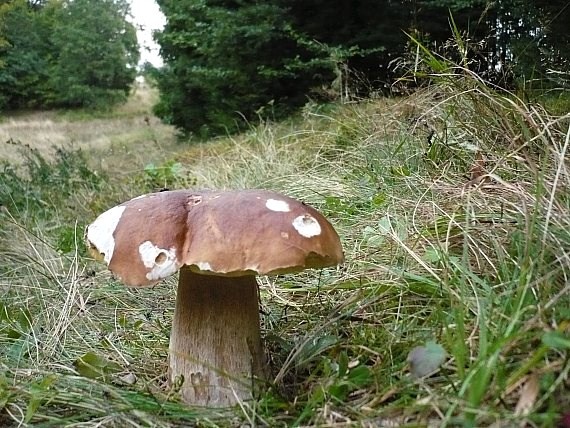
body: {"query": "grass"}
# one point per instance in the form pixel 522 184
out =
pixel 128 131
pixel 476 260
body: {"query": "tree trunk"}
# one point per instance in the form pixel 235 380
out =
pixel 215 343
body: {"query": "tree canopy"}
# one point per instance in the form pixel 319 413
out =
pixel 226 60
pixel 223 57
pixel 68 53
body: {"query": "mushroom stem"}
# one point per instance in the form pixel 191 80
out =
pixel 215 344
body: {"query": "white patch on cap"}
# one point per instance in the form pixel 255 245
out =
pixel 100 232
pixel 162 262
pixel 138 197
pixel 277 205
pixel 307 226
pixel 204 266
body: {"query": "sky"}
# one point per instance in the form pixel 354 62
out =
pixel 147 17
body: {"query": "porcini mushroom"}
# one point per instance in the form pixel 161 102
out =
pixel 220 241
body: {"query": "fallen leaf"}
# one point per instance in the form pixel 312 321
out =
pixel 95 366
pixel 127 379
pixel 556 340
pixel 529 393
pixel 425 360
pixel 478 168
pixel 477 172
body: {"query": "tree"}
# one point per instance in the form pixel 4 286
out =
pixel 368 33
pixel 24 55
pixel 97 53
pixel 514 41
pixel 71 53
pixel 228 59
pixel 224 60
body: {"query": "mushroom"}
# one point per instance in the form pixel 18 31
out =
pixel 219 241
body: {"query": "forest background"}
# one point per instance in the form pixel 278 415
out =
pixel 225 57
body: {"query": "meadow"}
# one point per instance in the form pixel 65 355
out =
pixel 452 308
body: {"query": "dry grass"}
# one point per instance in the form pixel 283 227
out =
pixel 129 134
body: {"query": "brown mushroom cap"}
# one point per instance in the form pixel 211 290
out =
pixel 231 233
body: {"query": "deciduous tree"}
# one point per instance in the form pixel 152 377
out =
pixel 97 53
pixel 71 53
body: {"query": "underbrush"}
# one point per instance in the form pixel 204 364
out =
pixel 451 309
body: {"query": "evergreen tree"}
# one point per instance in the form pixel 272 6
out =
pixel 369 34
pixel 224 60
pixel 228 58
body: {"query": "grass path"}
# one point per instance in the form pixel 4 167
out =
pixel 128 132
